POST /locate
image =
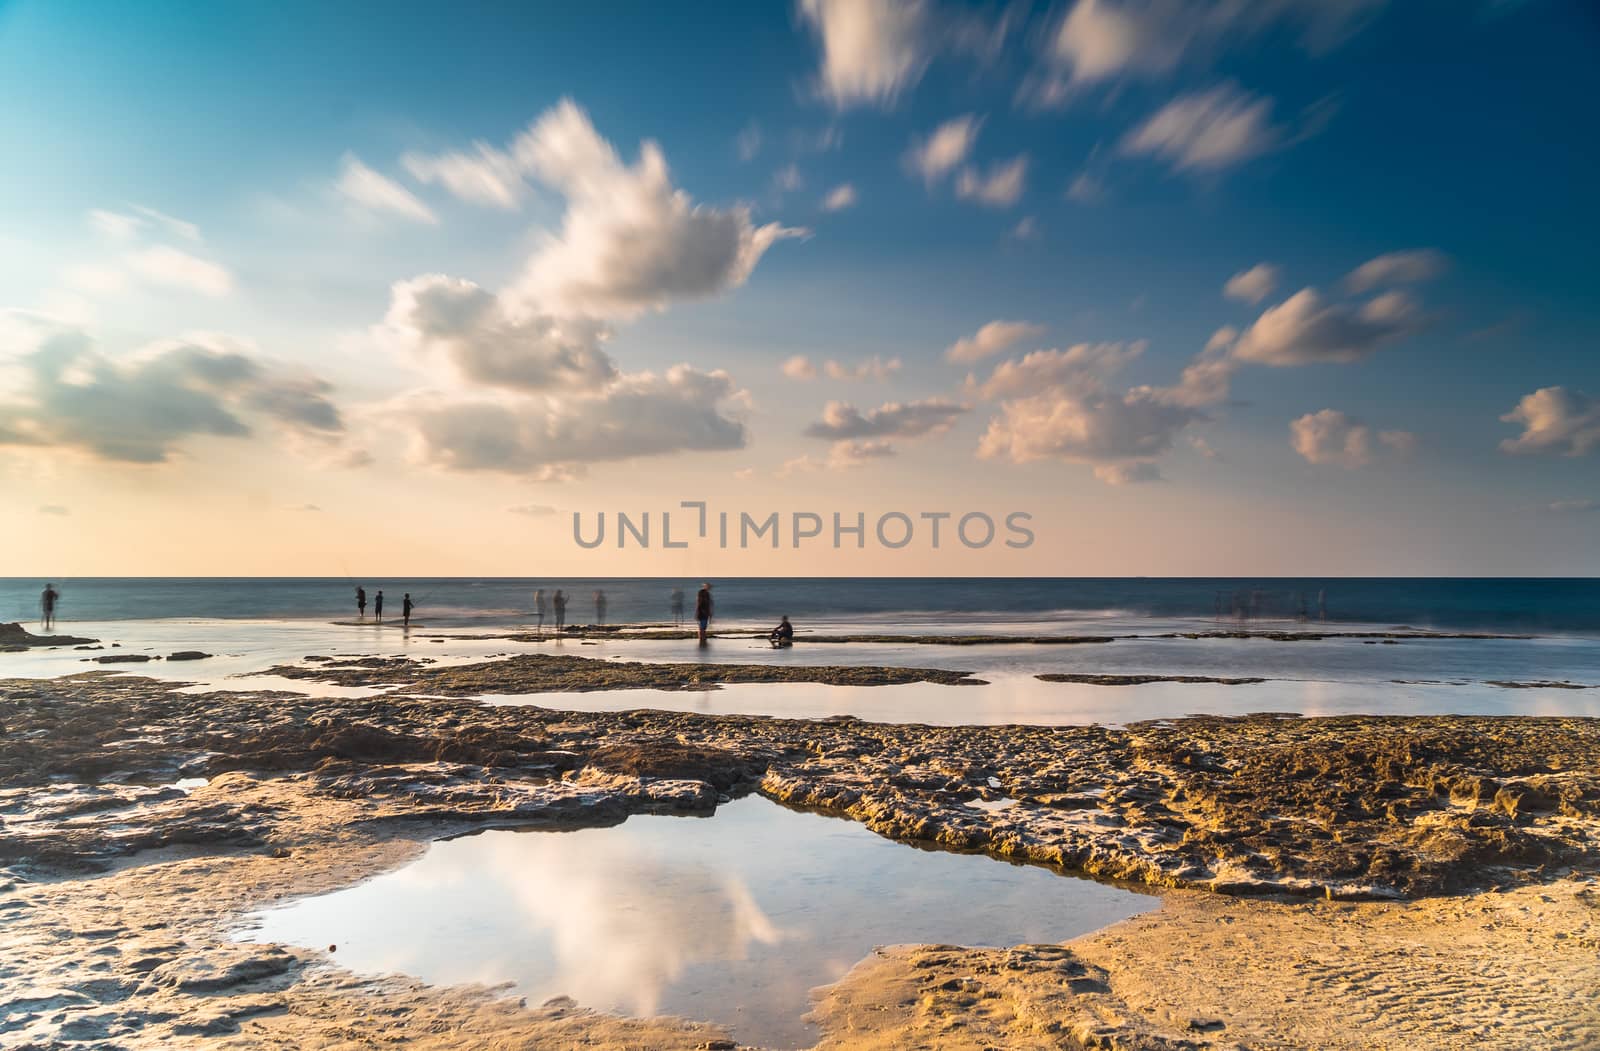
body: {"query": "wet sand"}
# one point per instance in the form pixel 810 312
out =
pixel 1339 882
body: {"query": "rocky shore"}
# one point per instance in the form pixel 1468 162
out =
pixel 117 885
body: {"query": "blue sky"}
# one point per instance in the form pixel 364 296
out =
pixel 277 172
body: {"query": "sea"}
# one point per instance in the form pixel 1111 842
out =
pixel 1503 605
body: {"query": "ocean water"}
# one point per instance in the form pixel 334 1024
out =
pixel 1552 606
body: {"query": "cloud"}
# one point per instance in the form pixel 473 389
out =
pixel 533 510
pixel 629 240
pixel 1206 131
pixel 1058 405
pixel 121 226
pixel 378 193
pixel 138 410
pixel 1097 41
pixel 486 176
pixel 1305 330
pixel 842 456
pixel 1001 188
pixel 164 265
pixel 1558 506
pixel 1252 285
pixel 748 142
pixel 1085 189
pixel 871 49
pixel 54 509
pixel 1027 228
pixel 472 328
pixel 1555 420
pixel 996 337
pixel 1331 437
pixel 1396 268
pixel 873 368
pixel 788 179
pixel 799 367
pixel 914 419
pixel 839 198
pixel 948 146
pixel 639 414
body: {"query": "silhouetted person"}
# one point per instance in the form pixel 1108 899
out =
pixel 406 606
pixel 677 607
pixel 47 607
pixel 361 602
pixel 702 610
pixel 783 634
pixel 600 607
pixel 538 608
pixel 377 606
pixel 559 604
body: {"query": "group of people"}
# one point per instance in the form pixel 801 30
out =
pixel 782 635
pixel 406 606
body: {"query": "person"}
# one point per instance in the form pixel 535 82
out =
pixel 677 607
pixel 406 606
pixel 377 606
pixel 538 608
pixel 783 634
pixel 600 607
pixel 559 604
pixel 361 602
pixel 47 607
pixel 702 610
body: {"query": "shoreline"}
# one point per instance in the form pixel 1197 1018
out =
pixel 1269 829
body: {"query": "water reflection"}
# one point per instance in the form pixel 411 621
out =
pixel 731 919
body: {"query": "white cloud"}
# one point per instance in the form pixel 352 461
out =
pixel 842 455
pixel 378 193
pixel 1304 330
pixel 639 414
pixel 140 409
pixel 1001 188
pixel 629 241
pixel 1558 506
pixel 486 176
pixel 1402 442
pixel 748 142
pixel 996 337
pixel 799 367
pixel 1097 41
pixel 1206 131
pixel 1395 268
pixel 948 146
pixel 470 326
pixel 839 198
pixel 1057 405
pixel 873 368
pixel 788 179
pixel 871 49
pixel 1085 189
pixel 1331 437
pixel 115 225
pixel 1027 228
pixel 1555 420
pixel 1252 285
pixel 165 265
pixel 914 419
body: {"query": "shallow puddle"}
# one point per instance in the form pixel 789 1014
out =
pixel 730 919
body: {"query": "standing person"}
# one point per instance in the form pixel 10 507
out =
pixel 377 606
pixel 406 606
pixel 702 610
pixel 361 601
pixel 47 607
pixel 538 608
pixel 559 605
pixel 600 607
pixel 677 607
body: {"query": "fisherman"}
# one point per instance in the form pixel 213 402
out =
pixel 783 634
pixel 361 601
pixel 406 606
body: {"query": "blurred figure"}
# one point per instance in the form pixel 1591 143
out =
pixel 783 634
pixel 47 607
pixel 377 605
pixel 703 610
pixel 406 606
pixel 538 608
pixel 599 607
pixel 361 602
pixel 677 607
pixel 559 603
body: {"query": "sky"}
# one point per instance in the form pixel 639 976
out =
pixel 1244 287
